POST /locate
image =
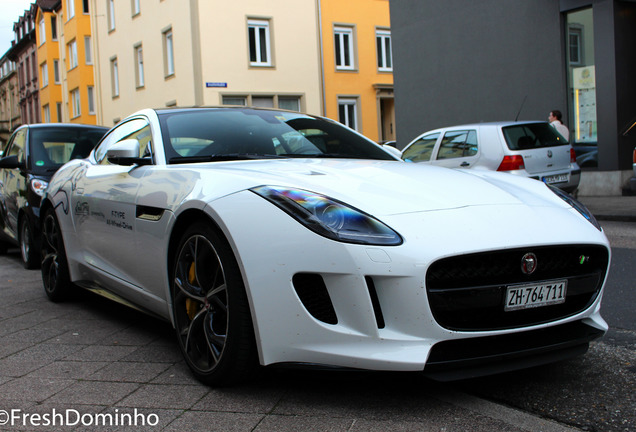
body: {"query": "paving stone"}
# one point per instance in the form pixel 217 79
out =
pixel 123 371
pixel 93 393
pixel 193 421
pixel 165 396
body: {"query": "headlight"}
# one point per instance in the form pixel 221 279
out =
pixel 38 186
pixel 576 204
pixel 330 218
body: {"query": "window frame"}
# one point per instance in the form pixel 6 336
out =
pixel 44 70
pixel 139 66
pixel 385 61
pixel 340 53
pixel 42 27
pixel 114 77
pixel 351 104
pixel 110 12
pixel 72 55
pixel 88 50
pixel 70 9
pixel 168 53
pixel 56 71
pixel 76 103
pixel 90 98
pixel 256 25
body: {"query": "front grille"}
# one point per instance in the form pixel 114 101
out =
pixel 468 292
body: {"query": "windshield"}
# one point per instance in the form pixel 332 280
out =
pixel 532 135
pixel 231 134
pixel 50 148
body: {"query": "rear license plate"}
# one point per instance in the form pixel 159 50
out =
pixel 559 178
pixel 535 295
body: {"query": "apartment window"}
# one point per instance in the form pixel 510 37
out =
pixel 56 71
pixel 85 6
pixel 75 102
pixel 88 50
pixel 45 74
pixel 343 39
pixel 234 100
pixel 111 14
pixel 46 113
pixel 54 27
pixel 347 112
pixel 114 77
pixel 575 37
pixel 383 45
pixel 139 66
pixel 259 42
pixel 168 53
pixel 90 93
pixel 72 54
pixel 263 101
pixel 58 109
pixel 291 103
pixel 136 7
pixel 42 31
pixel 70 8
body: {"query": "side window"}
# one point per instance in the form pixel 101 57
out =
pixel 457 144
pixel 18 144
pixel 421 150
pixel 137 128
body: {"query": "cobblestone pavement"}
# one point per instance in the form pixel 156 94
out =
pixel 93 365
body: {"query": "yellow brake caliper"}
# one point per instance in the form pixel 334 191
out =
pixel 192 306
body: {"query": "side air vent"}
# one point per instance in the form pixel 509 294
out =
pixel 313 294
pixel 377 310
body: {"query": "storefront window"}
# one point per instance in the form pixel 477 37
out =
pixel 582 86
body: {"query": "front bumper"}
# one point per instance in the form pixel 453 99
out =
pixel 322 302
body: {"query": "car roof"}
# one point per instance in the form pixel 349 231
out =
pixel 63 125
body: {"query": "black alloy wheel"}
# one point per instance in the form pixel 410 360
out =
pixel 55 274
pixel 30 254
pixel 211 312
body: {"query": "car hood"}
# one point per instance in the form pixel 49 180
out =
pixel 384 187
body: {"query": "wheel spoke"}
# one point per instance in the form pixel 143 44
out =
pixel 200 297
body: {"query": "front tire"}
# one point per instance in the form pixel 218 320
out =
pixel 211 312
pixel 28 250
pixel 55 274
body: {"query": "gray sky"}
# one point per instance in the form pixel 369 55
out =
pixel 10 12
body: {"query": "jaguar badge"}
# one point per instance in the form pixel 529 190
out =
pixel 529 263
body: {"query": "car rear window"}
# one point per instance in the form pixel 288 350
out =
pixel 52 148
pixel 533 135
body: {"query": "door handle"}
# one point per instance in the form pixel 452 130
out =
pixel 464 164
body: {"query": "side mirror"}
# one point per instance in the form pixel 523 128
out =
pixel 126 152
pixel 11 162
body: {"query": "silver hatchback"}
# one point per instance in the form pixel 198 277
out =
pixel 528 148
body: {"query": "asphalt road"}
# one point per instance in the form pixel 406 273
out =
pixel 94 356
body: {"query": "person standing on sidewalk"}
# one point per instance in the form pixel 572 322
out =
pixel 555 120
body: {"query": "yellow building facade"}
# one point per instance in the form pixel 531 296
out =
pixel 66 55
pixel 357 65
pixel 48 55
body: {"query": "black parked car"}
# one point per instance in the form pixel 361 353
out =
pixel 31 157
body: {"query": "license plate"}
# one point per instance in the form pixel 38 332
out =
pixel 535 295
pixel 559 178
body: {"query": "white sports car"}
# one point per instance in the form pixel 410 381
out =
pixel 272 237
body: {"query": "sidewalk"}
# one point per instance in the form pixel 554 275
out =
pixel 611 208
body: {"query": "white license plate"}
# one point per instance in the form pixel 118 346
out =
pixel 535 295
pixel 559 178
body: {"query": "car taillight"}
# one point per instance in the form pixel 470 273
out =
pixel 572 156
pixel 511 163
pixel 635 155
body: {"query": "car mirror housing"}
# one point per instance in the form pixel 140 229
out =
pixel 126 152
pixel 11 162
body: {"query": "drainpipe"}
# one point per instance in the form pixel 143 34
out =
pixel 321 57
